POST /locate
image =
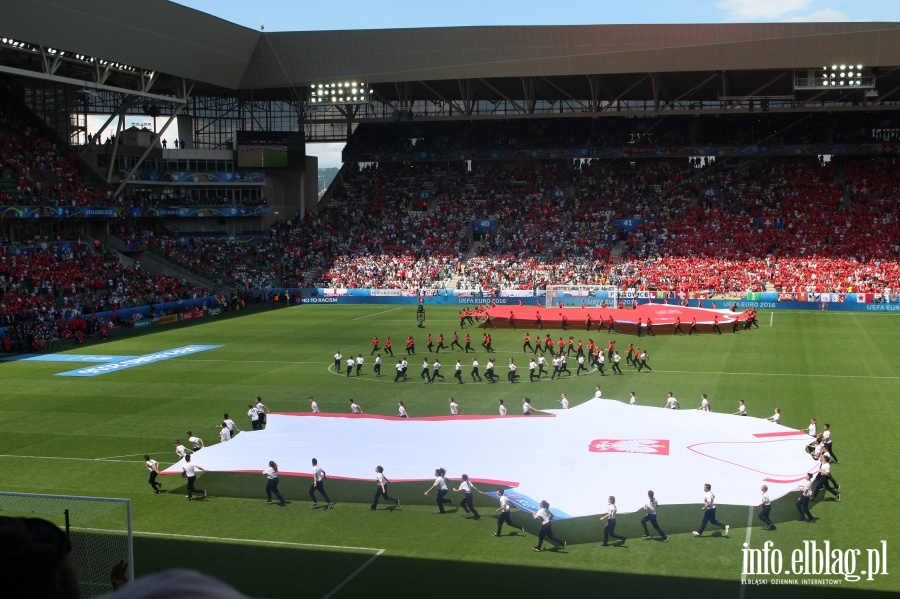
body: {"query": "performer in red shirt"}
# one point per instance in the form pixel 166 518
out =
pixel 375 345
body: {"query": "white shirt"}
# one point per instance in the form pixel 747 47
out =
pixel 512 366
pixel 378 360
pixel 454 408
pixel 224 435
pixel 765 499
pixel 314 407
pixel 195 441
pixel 704 405
pixel 403 413
pixel 633 400
pixel 742 409
pixel 474 363
pixel 489 365
pixel 190 469
pixel 504 503
pixel 598 394
pixel 458 366
pixel 152 465
pixel 526 408
pixel 812 429
pixel 465 487
pixel 542 360
pixel 564 402
pixel 355 408
pixel 532 364
pixel 359 361
pixel 436 365
pixel 253 414
pixel 318 473
pixel 441 483
pixel 544 515
pixel 709 498
pixel 270 473
pixel 262 409
pixel 180 450
pixel 804 487
pixel 776 418
pixel 825 468
pixel 611 510
pixel 671 403
pixel 350 362
pixel 502 410
pixel 826 436
pixel 380 479
pixel 230 424
pixel 651 505
pixel 337 357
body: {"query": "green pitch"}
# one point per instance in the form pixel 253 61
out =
pixel 87 436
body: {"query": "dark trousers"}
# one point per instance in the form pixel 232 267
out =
pixel 803 508
pixel 546 532
pixel 823 482
pixel 616 368
pixel 709 517
pixel 377 368
pixel 504 517
pixel 651 518
pixel 379 493
pixel 834 458
pixel 272 487
pixel 191 489
pixel 156 486
pixel 468 506
pixel 764 515
pixel 458 376
pixel 489 375
pixel 442 499
pixel 475 375
pixel 320 487
pixel 610 531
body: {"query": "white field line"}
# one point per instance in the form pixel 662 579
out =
pixel 743 588
pixel 376 314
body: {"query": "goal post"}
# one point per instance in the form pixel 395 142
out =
pixel 572 296
pixel 99 531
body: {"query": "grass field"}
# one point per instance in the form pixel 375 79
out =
pixel 86 436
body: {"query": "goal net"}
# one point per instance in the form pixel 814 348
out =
pixel 572 296
pixel 99 531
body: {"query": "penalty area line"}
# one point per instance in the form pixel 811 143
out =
pixel 771 318
pixel 168 535
pixel 353 575
pixel 376 314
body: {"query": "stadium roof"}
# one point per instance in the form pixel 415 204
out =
pixel 665 62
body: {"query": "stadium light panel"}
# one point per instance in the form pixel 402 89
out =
pixel 340 92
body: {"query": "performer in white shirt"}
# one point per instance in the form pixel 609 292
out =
pixel 319 485
pixel 454 407
pixel 440 483
pixel 709 512
pixel 610 529
pixel 671 402
pixel 402 410
pixel 563 401
pixel 504 514
pixel 466 487
pixel 381 483
pixel 704 403
pixel 153 467
pixel 190 471
pixel 272 483
pixel 650 507
pixel 313 406
pixel 766 505
pixel 546 517
pixel 501 407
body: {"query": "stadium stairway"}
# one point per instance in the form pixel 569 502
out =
pixel 156 264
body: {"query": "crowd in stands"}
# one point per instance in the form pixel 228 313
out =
pixel 792 224
pixel 46 286
pixel 721 226
pixel 34 172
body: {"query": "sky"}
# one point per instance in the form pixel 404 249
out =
pixel 318 15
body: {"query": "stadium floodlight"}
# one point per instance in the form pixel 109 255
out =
pixel 837 75
pixel 339 93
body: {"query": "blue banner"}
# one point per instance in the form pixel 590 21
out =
pixel 106 212
pixel 628 224
pixel 183 177
pixel 482 226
